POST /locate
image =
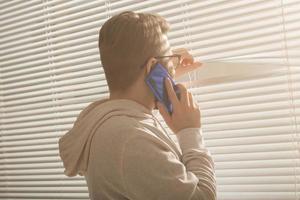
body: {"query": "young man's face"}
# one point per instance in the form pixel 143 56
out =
pixel 167 62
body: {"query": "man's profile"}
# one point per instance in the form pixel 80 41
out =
pixel 117 143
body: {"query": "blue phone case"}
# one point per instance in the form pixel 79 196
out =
pixel 155 80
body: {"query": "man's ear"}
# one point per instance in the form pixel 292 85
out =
pixel 150 64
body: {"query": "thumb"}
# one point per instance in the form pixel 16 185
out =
pixel 163 111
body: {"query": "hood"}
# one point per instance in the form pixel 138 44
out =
pixel 74 146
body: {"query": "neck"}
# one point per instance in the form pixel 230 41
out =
pixel 138 97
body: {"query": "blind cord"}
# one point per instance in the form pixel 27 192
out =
pixel 292 111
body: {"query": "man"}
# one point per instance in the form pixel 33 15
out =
pixel 118 144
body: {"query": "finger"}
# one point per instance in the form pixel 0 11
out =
pixel 184 98
pixel 164 113
pixel 196 64
pixel 191 98
pixel 181 70
pixel 187 68
pixel 187 60
pixel 179 50
pixel 171 93
pixel 196 104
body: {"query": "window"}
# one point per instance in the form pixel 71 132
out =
pixel 50 70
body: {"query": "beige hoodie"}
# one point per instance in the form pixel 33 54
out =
pixel 124 153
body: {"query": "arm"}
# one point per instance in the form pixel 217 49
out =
pixel 197 159
pixel 152 171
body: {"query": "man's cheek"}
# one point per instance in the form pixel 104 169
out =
pixel 172 72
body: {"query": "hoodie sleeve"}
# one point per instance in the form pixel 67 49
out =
pixel 152 171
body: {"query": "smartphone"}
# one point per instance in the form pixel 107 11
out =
pixel 156 82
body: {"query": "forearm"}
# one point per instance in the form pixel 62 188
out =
pixel 198 160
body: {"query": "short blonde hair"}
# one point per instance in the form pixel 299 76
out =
pixel 126 42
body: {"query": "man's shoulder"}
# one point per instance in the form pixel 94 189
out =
pixel 121 122
pixel 129 126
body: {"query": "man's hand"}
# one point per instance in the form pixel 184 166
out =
pixel 187 63
pixel 186 113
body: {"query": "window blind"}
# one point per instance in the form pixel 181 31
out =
pixel 50 70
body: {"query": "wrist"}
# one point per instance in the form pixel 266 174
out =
pixel 190 138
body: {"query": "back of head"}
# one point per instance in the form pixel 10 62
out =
pixel 126 41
